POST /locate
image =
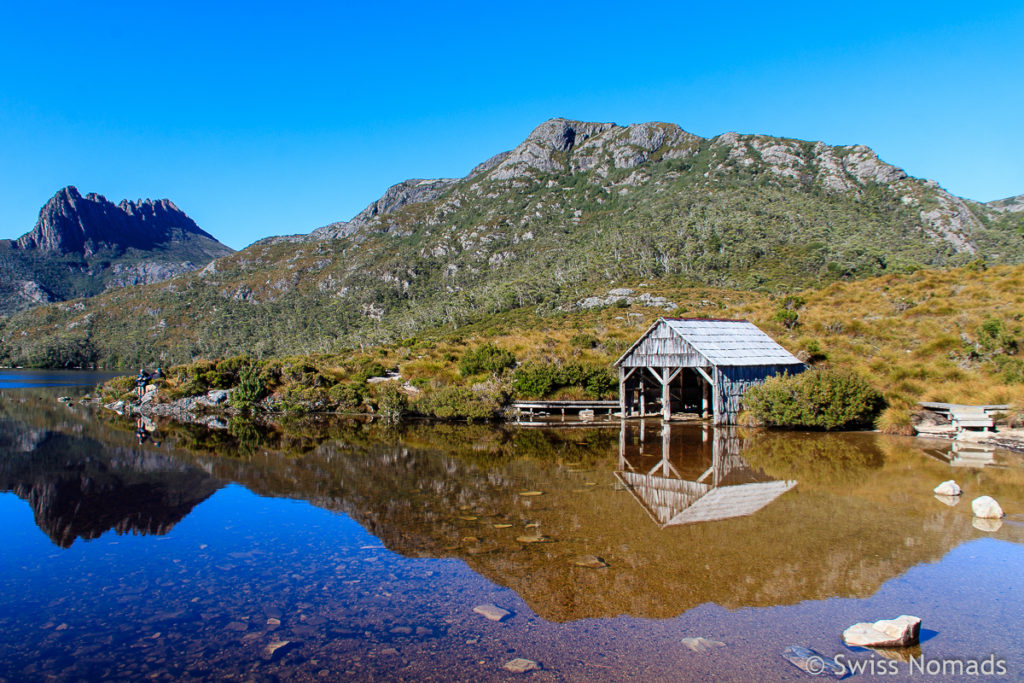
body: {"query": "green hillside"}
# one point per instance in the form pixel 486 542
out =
pixel 576 209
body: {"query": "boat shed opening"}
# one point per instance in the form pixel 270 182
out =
pixel 698 365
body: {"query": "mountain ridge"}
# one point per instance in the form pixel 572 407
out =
pixel 572 210
pixel 83 245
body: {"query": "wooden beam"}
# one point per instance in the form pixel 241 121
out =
pixel 622 392
pixel 666 398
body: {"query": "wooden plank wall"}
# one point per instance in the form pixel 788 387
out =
pixel 733 380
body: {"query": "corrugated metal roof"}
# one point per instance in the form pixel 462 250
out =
pixel 731 342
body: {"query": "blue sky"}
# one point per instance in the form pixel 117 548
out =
pixel 260 119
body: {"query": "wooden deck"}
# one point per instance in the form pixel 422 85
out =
pixel 964 416
pixel 560 407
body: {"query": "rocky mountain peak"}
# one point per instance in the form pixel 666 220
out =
pixel 71 223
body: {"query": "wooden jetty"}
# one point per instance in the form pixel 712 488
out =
pixel 964 416
pixel 560 407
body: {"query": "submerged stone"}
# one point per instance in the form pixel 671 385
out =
pixel 520 665
pixel 813 662
pixel 986 507
pixel 590 562
pixel 276 649
pixel 701 644
pixel 903 631
pixel 492 612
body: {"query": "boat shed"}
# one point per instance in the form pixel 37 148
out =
pixel 698 365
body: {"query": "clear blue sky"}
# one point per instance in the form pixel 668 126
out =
pixel 265 119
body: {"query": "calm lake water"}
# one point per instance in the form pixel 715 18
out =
pixel 192 555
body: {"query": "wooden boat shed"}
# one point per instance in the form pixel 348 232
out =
pixel 698 365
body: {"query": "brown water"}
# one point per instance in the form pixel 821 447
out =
pixel 367 547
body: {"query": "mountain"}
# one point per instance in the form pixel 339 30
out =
pixel 574 209
pixel 81 246
pixel 1010 204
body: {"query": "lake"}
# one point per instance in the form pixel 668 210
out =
pixel 325 550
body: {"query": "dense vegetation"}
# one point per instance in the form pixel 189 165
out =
pixel 818 399
pixel 952 336
pixel 542 240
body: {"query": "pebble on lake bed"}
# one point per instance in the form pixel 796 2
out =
pixel 903 631
pixel 520 665
pixel 947 488
pixel 986 507
pixel 590 562
pixel 701 644
pixel 275 648
pixel 492 612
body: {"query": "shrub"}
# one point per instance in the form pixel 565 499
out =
pixel 453 402
pixel 249 389
pixel 535 380
pixel 368 369
pixel 485 358
pixel 822 399
pixel 347 394
pixel 788 317
pixel 392 404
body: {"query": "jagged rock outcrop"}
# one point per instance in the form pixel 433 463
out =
pixel 83 245
pixel 71 223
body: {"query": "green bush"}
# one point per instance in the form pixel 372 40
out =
pixel 821 399
pixel 249 389
pixel 368 369
pixel 347 394
pixel 453 402
pixel 392 404
pixel 535 380
pixel 485 358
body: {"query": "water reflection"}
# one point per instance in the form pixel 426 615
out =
pixel 728 487
pixel 80 487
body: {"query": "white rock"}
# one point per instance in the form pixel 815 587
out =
pixel 903 631
pixel 492 612
pixel 986 507
pixel 520 665
pixel 947 488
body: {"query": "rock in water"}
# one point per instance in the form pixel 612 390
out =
pixel 986 507
pixel 813 662
pixel 492 612
pixel 590 562
pixel 951 501
pixel 701 644
pixel 521 666
pixel 276 648
pixel 903 631
pixel 947 488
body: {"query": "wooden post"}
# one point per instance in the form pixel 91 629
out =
pixel 705 399
pixel 666 396
pixel 622 392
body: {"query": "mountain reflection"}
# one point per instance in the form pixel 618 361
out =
pixel 80 487
pixel 523 506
